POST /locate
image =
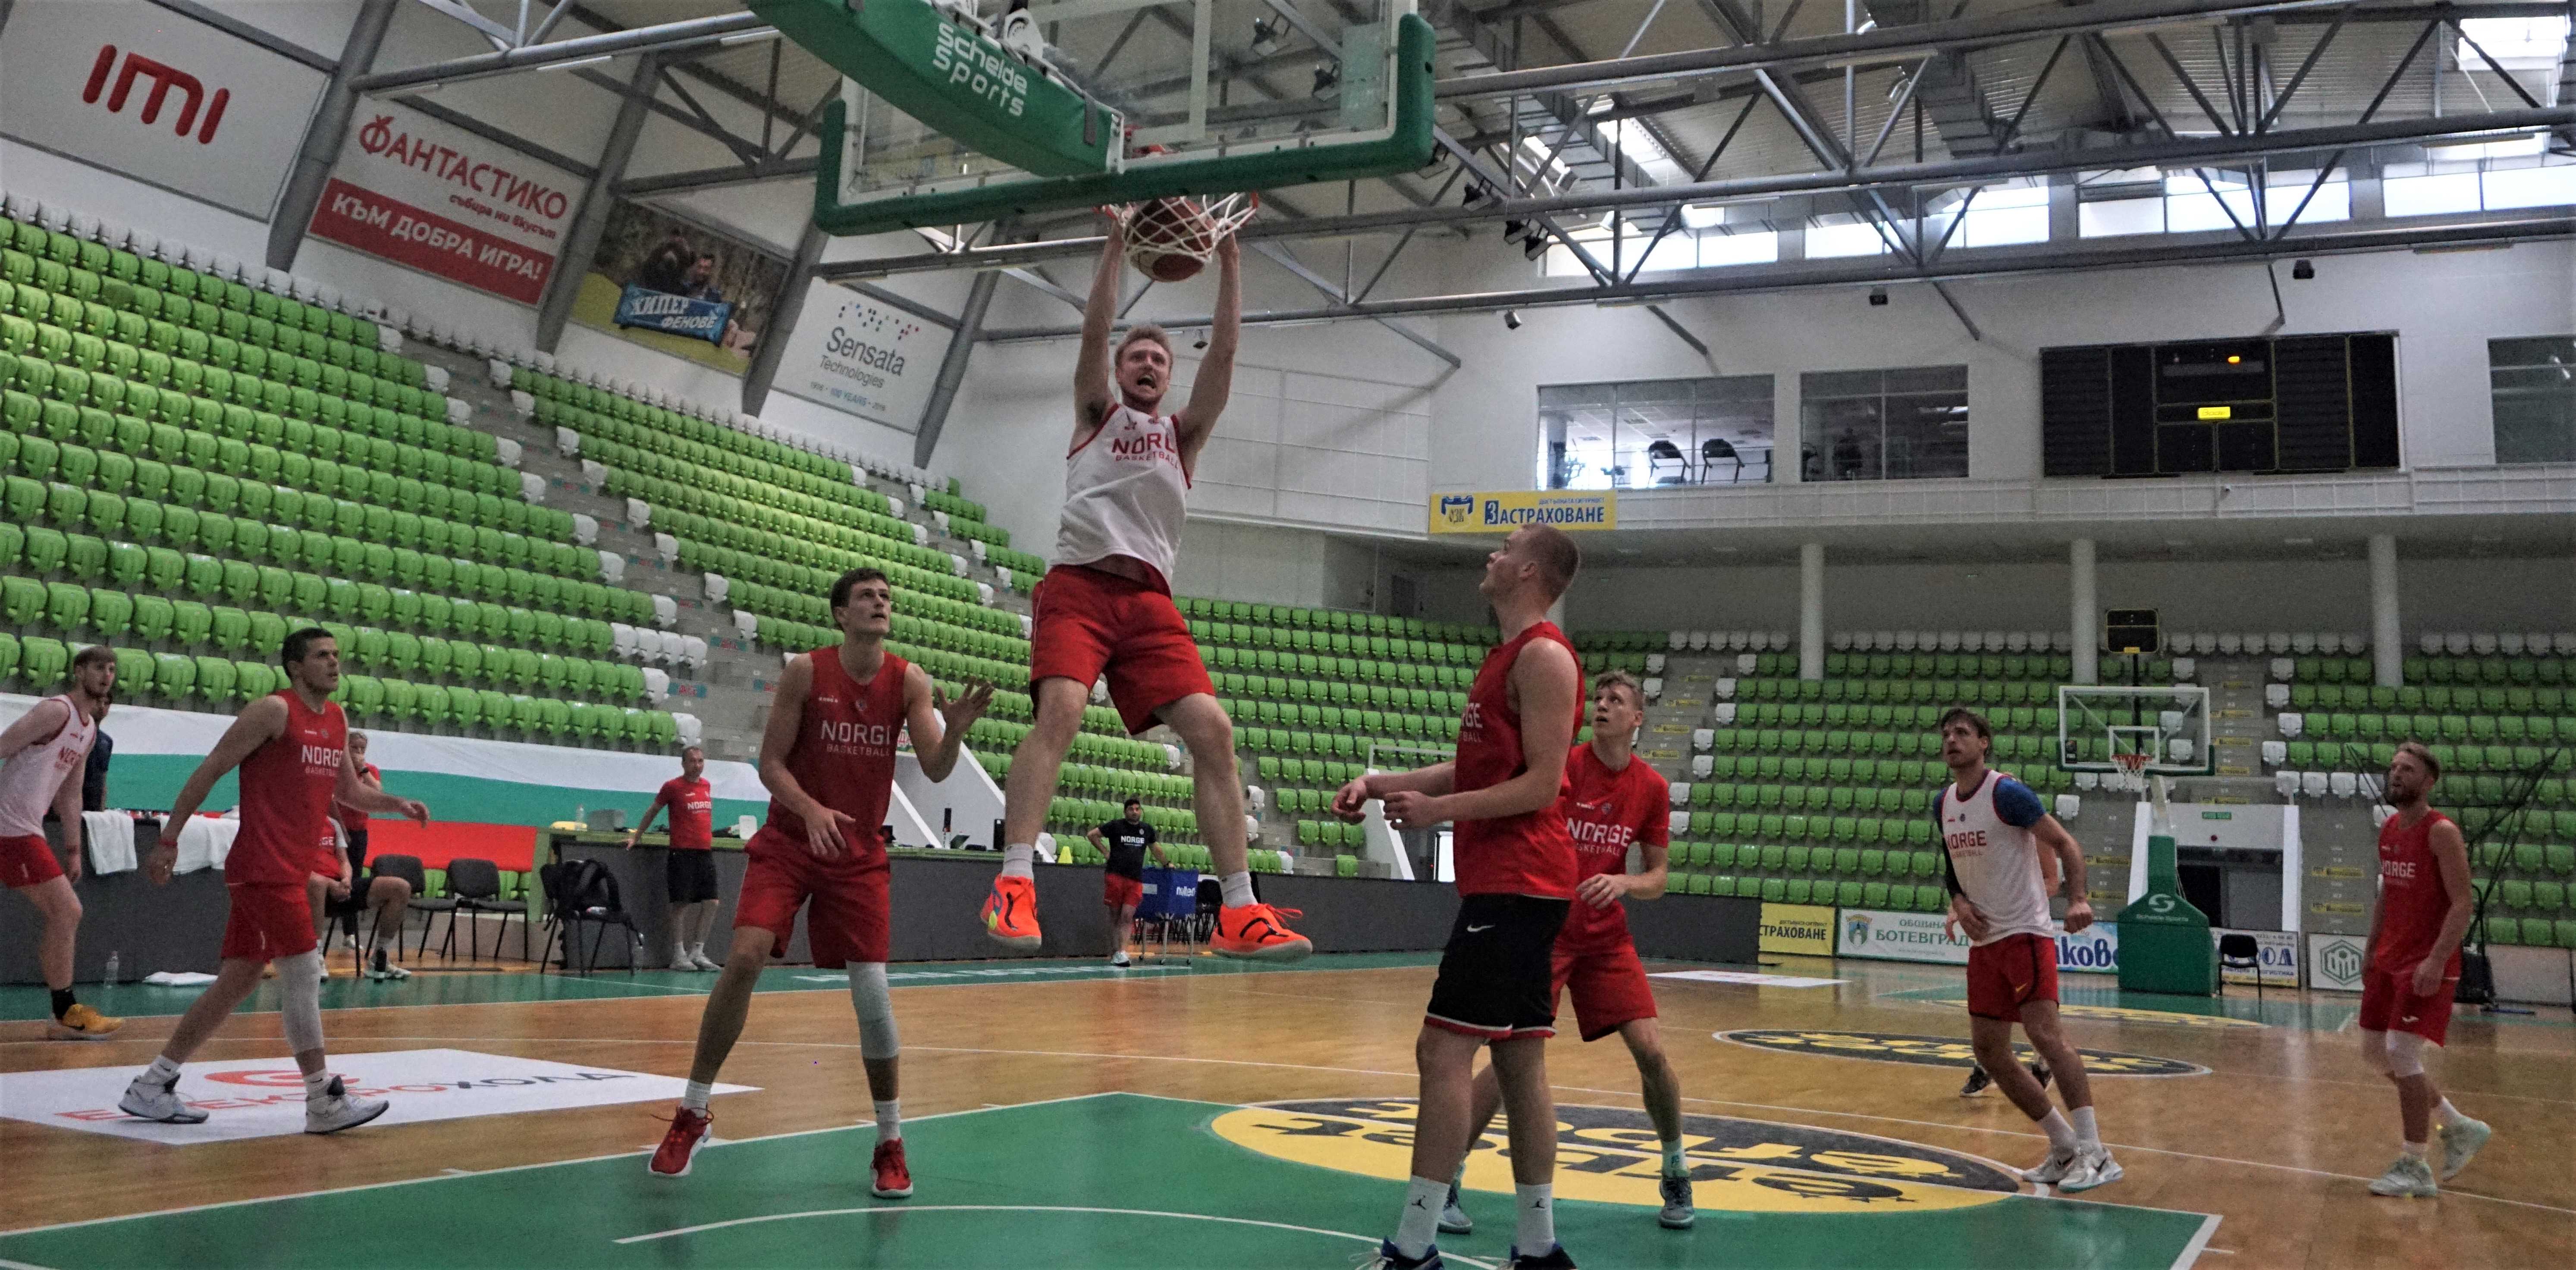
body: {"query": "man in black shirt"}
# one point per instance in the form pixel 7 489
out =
pixel 94 777
pixel 1126 841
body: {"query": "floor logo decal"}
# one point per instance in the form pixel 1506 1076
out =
pixel 1944 1051
pixel 1609 1155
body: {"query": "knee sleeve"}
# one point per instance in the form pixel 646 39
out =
pixel 877 1039
pixel 300 1005
pixel 2374 1050
pixel 2405 1054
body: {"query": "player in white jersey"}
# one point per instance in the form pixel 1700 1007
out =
pixel 1992 828
pixel 1106 607
pixel 42 757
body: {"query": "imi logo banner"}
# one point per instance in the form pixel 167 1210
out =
pixel 147 92
pixel 853 354
pixel 264 1097
pixel 439 199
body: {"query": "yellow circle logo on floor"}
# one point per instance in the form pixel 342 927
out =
pixel 1944 1051
pixel 1610 1155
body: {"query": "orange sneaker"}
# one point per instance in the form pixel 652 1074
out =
pixel 679 1149
pixel 894 1177
pixel 1259 932
pixel 1011 913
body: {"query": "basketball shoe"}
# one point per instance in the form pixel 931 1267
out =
pixel 1678 1213
pixel 2460 1142
pixel 338 1109
pixel 679 1149
pixel 1011 913
pixel 1555 1258
pixel 2409 1177
pixel 1259 932
pixel 1388 1258
pixel 81 1023
pixel 2093 1167
pixel 154 1100
pixel 893 1176
pixel 1453 1218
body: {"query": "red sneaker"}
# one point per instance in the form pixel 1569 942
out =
pixel 1011 913
pixel 894 1177
pixel 1259 932
pixel 679 1147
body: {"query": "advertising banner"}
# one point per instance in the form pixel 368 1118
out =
pixel 141 90
pixel 1891 936
pixel 2335 962
pixel 439 199
pixel 854 354
pixel 1801 929
pixel 676 288
pixel 2279 952
pixel 1503 511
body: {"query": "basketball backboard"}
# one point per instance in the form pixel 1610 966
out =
pixel 966 110
pixel 2168 725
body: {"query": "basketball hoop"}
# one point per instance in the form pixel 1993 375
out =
pixel 1170 239
pixel 2132 775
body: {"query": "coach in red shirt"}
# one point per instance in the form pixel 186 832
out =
pixel 690 866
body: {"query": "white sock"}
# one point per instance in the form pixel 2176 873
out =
pixel 698 950
pixel 1238 892
pixel 1019 860
pixel 1676 1164
pixel 2415 1149
pixel 1536 1232
pixel 2061 1135
pixel 695 1096
pixel 679 954
pixel 162 1071
pixel 2085 1132
pixel 2450 1115
pixel 890 1120
pixel 1420 1219
pixel 317 1084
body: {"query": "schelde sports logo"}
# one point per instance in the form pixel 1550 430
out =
pixel 264 1097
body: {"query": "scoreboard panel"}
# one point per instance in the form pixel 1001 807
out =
pixel 2305 403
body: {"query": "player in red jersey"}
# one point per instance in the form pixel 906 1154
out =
pixel 42 756
pixel 2410 967
pixel 292 747
pixel 1612 802
pixel 828 760
pixel 1517 877
pixel 689 866
pixel 1106 609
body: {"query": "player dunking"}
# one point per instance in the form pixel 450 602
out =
pixel 2411 965
pixel 827 757
pixel 42 756
pixel 1106 606
pixel 1991 826
pixel 1611 802
pixel 292 747
pixel 1517 877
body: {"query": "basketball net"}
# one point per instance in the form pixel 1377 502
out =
pixel 1195 237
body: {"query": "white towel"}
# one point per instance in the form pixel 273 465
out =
pixel 110 838
pixel 178 979
pixel 205 843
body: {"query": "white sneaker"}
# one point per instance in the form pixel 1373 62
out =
pixel 680 960
pixel 1119 959
pixel 698 960
pixel 2408 1177
pixel 2461 1143
pixel 2051 1171
pixel 1454 1219
pixel 385 968
pixel 153 1101
pixel 2093 1167
pixel 337 1109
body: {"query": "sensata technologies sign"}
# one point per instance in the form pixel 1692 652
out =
pixel 1501 512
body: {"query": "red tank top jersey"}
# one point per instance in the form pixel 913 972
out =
pixel 2412 899
pixel 693 808
pixel 1527 854
pixel 844 756
pixel 1605 813
pixel 286 788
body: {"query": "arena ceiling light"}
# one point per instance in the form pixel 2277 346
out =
pixel 2517 44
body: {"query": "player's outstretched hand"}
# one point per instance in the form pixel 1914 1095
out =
pixel 1413 809
pixel 416 810
pixel 1350 802
pixel 1228 251
pixel 960 713
pixel 828 835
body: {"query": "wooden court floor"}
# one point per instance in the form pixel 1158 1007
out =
pixel 1062 1115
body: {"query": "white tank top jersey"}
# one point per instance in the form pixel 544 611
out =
pixel 1993 858
pixel 1125 493
pixel 31 776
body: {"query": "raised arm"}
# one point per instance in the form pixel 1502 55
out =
pixel 937 724
pixel 365 795
pixel 259 723
pixel 1215 379
pixel 824 827
pixel 1095 391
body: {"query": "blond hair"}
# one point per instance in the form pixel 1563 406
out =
pixel 1620 679
pixel 1143 331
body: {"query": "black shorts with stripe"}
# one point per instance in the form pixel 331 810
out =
pixel 1497 974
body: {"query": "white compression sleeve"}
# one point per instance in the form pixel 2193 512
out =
pixel 2374 1050
pixel 877 1039
pixel 299 989
pixel 2405 1054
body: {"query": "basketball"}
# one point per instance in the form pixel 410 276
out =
pixel 1169 239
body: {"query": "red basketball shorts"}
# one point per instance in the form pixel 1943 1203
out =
pixel 2010 973
pixel 848 917
pixel 1609 986
pixel 268 921
pixel 1089 623
pixel 1118 892
pixel 27 861
pixel 2389 1004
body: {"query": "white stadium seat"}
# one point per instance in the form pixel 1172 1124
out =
pixel 1654 661
pixel 612 568
pixel 1949 641
pixel 2088 781
pixel 2069 806
pixel 1654 689
pixel 1839 641
pixel 1747 663
pixel 2483 644
pixel 1905 641
pixel 1702 767
pixel 624 638
pixel 2509 643
pixel 657 684
pixel 667 547
pixel 2313 784
pixel 1678 640
pixel 2456 644
pixel 1678 823
pixel 693 651
pixel 2303 643
pixel 2017 641
pixel 2277 642
pixel 666 611
pixel 748 623
pixel 1723 689
pixel 1705 739
pixel 2284 669
pixel 585 529
pixel 1724 713
pixel 2231 645
pixel 717 587
pixel 2181 749
pixel 1699 641
pixel 1679 792
pixel 2293 725
pixel 690 729
pixel 2286 784
pixel 2186 669
pixel 2430 643
pixel 2344 784
pixel 2276 696
pixel 2275 753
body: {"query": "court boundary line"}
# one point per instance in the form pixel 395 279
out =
pixel 512 1168
pixel 2190 1254
pixel 1021 1208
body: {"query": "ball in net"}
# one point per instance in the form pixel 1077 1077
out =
pixel 1170 239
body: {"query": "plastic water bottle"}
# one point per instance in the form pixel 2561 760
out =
pixel 112 960
pixel 581 815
